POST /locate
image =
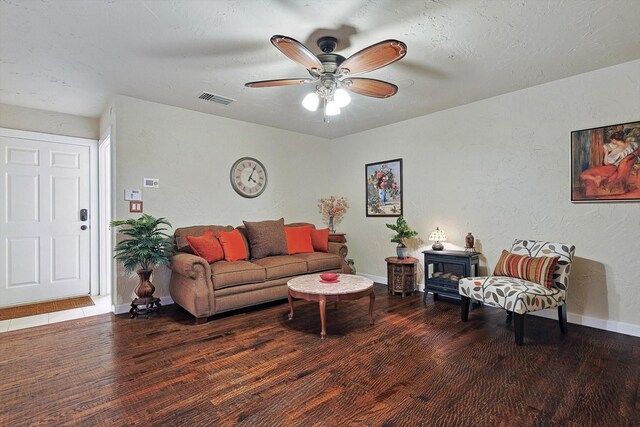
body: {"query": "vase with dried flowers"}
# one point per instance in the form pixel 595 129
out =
pixel 333 209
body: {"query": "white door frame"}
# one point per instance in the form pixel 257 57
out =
pixel 106 214
pixel 94 260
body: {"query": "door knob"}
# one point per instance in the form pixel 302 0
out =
pixel 84 227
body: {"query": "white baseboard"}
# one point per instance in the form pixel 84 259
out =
pixel 576 319
pixel 377 279
pixel 383 280
pixel 124 308
pixel 592 322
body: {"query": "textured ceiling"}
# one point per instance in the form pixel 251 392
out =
pixel 72 56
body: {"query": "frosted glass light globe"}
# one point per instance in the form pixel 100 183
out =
pixel 311 101
pixel 342 98
pixel 332 108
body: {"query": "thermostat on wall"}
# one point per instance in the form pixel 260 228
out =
pixel 151 182
pixel 132 194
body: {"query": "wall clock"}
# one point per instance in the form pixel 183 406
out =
pixel 248 177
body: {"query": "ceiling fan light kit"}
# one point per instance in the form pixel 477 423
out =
pixel 332 72
pixel 334 97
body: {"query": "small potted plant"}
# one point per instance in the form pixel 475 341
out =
pixel 147 245
pixel 403 232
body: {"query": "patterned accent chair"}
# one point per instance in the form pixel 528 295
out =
pixel 519 296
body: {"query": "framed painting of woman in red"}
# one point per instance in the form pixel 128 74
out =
pixel 605 163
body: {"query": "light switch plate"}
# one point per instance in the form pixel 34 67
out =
pixel 135 206
pixel 151 182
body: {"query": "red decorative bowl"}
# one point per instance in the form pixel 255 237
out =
pixel 329 277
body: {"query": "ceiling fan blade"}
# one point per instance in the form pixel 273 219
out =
pixel 373 57
pixel 370 87
pixel 279 82
pixel 297 52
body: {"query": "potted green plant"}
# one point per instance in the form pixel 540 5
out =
pixel 147 245
pixel 403 232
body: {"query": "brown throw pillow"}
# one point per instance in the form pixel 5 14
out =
pixel 266 238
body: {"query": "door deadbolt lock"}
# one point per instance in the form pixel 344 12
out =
pixel 83 214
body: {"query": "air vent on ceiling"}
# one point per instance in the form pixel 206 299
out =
pixel 207 96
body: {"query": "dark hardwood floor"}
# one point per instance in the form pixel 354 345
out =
pixel 418 365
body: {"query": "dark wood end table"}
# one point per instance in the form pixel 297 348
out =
pixel 401 275
pixel 338 237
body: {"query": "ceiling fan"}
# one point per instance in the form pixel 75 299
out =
pixel 333 72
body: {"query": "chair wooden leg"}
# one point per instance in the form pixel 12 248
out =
pixel 464 305
pixel 518 326
pixel 562 318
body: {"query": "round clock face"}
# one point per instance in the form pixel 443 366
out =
pixel 248 177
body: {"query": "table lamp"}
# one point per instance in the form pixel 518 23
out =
pixel 437 236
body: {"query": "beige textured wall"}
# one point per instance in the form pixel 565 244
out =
pixel 192 153
pixel 500 169
pixel 14 117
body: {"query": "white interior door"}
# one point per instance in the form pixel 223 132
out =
pixel 45 240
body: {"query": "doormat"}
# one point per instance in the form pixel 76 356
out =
pixel 44 307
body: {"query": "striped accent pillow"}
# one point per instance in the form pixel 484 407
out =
pixel 534 269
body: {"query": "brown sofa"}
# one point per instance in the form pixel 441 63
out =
pixel 206 289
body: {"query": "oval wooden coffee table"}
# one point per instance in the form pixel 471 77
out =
pixel 348 287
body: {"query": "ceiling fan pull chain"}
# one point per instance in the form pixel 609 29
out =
pixel 325 118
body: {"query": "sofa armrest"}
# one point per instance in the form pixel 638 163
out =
pixel 191 286
pixel 339 249
pixel 342 250
pixel 190 265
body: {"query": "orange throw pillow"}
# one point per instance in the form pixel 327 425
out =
pixel 299 239
pixel 233 245
pixel 320 239
pixel 207 246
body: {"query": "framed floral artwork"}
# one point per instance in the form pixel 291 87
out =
pixel 605 164
pixel 383 181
